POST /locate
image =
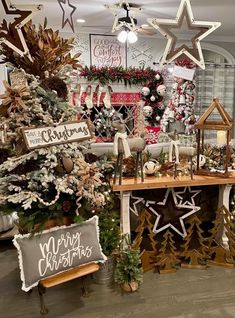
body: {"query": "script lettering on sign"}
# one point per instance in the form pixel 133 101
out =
pixel 61 252
pixel 107 51
pixel 47 136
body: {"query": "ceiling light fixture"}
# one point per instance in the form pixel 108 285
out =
pixel 127 36
pixel 81 21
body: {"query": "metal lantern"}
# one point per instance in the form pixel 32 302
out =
pixel 223 126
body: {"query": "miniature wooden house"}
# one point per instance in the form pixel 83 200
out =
pixel 223 126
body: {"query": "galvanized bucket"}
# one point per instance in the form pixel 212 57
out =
pixel 104 276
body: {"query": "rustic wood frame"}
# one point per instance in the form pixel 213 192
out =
pixel 225 124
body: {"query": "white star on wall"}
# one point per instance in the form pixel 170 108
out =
pixel 186 194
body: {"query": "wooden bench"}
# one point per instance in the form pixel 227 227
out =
pixel 64 277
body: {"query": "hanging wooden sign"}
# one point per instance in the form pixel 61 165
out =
pixel 41 137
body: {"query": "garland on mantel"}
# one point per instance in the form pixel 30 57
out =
pixel 108 75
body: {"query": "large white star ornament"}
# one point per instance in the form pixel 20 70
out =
pixel 14 38
pixel 165 26
pixel 187 196
pixel 68 11
pixel 170 213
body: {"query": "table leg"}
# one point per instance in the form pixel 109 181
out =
pixel 224 193
pixel 125 212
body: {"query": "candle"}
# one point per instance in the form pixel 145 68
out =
pixel 221 137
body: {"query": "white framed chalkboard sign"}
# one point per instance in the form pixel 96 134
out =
pixel 40 137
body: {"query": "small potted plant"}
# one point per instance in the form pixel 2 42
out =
pixel 128 271
pixel 109 241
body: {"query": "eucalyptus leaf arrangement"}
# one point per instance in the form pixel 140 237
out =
pixel 128 272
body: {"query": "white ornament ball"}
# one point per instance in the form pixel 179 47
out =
pixel 157 77
pixel 152 98
pixel 161 90
pixel 158 118
pixel 145 91
pixel 147 111
pixel 150 167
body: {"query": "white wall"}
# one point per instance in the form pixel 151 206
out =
pixel 145 51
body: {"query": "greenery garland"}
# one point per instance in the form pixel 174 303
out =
pixel 108 75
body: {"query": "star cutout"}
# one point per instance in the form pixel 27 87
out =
pixel 11 35
pixel 187 196
pixel 165 26
pixel 68 11
pixel 171 214
pixel 136 201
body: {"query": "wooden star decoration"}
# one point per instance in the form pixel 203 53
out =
pixel 11 34
pixel 165 26
pixel 171 214
pixel 187 196
pixel 68 11
pixel 134 203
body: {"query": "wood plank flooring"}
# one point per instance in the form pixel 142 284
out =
pixel 186 294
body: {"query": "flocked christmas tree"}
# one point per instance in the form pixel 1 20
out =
pixel 194 248
pixel 167 257
pixel 153 96
pixel 50 182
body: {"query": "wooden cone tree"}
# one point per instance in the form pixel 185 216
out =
pixel 194 249
pixel 167 258
pixel 222 255
pixel 148 251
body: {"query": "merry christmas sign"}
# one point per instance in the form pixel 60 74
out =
pixel 106 50
pixel 47 136
pixel 57 250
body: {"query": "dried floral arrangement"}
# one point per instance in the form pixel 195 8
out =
pixel 48 50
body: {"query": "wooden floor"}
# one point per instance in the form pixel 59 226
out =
pixel 188 294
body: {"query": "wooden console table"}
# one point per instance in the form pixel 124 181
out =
pixel 130 184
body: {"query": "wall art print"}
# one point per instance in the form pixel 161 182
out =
pixel 106 50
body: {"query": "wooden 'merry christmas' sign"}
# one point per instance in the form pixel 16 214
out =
pixel 48 136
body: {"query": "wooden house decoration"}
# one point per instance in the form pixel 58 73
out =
pixel 223 127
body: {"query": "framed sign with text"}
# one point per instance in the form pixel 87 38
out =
pixel 40 137
pixel 106 50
